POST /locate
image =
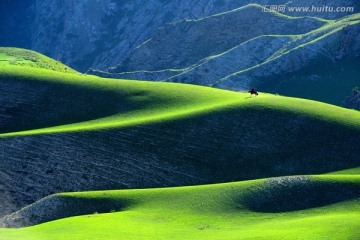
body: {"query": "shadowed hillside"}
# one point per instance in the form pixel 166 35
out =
pixel 201 212
pixel 158 134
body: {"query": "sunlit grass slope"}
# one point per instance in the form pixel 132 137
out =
pixel 28 58
pixel 67 102
pixel 202 135
pixel 350 171
pixel 73 102
pixel 301 207
pixel 133 133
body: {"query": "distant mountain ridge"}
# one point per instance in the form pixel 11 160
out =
pixel 221 43
pixel 285 45
pixel 101 34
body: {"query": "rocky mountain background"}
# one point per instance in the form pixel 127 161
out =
pixel 221 43
pixel 353 101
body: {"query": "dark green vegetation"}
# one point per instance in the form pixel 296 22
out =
pixel 64 132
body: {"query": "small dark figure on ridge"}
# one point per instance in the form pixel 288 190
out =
pixel 253 92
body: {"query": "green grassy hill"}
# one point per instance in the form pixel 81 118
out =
pixel 28 58
pixel 64 132
pixel 302 207
pixel 90 133
pixel 77 99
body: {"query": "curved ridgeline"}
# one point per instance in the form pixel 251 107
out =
pixel 67 132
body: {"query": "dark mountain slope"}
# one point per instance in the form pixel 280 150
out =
pixel 101 34
pixel 197 39
pixel 324 60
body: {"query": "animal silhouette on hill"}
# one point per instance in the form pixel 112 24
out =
pixel 253 92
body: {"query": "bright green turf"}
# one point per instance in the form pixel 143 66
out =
pixel 202 212
pixel 28 58
pixel 351 171
pixel 146 102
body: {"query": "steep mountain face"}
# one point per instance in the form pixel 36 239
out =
pixel 285 55
pixel 198 39
pixel 353 101
pixel 101 34
pixel 17 23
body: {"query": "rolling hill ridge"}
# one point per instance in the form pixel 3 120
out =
pixel 116 134
pixel 138 123
pixel 203 212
